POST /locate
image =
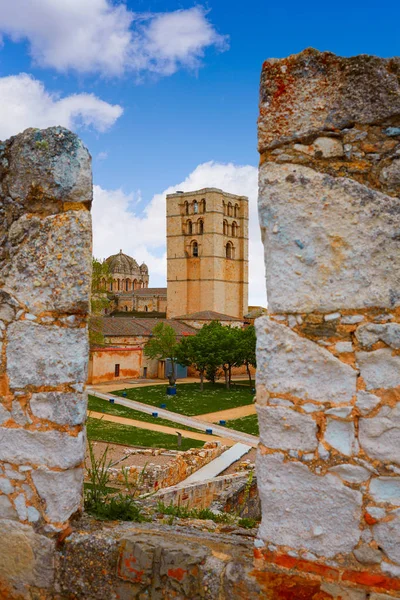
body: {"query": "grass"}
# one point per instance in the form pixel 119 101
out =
pixel 189 400
pixel 247 424
pixel 105 407
pixel 105 431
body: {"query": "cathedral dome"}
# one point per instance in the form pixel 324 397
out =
pixel 144 268
pixel 122 263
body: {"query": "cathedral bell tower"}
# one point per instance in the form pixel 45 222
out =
pixel 207 253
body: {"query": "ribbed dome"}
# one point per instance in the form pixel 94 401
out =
pixel 144 268
pixel 122 263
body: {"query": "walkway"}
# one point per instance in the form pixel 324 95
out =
pixel 194 422
pixel 230 413
pixel 161 428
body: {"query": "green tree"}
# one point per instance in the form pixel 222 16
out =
pixel 247 349
pixel 200 351
pixel 162 346
pixel 100 300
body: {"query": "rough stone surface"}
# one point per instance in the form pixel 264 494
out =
pixel 43 278
pixel 60 407
pixel 50 448
pixel 366 402
pixel 346 241
pixel 60 354
pixel 284 428
pixel 351 473
pixel 341 436
pixel 367 555
pixel 61 491
pixel 385 489
pixel 290 364
pixel 303 510
pixel 371 333
pixel 313 91
pixel 379 369
pixel 7 511
pixel 380 435
pixel 387 535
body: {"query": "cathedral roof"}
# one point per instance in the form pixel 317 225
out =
pixel 122 263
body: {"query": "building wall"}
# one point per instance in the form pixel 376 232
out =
pixel 210 281
pixel 103 362
pixel 150 303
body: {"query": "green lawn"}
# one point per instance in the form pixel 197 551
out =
pixel 247 424
pixel 105 407
pixel 105 431
pixel 189 400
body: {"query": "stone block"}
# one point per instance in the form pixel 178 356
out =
pixel 347 241
pixel 312 92
pixel 366 402
pixel 351 473
pixel 49 448
pixel 26 558
pixel 306 511
pixel 287 429
pixel 60 490
pixel 387 535
pixel 62 408
pixel 341 436
pixel 290 364
pixel 385 489
pixel 7 511
pixel 379 436
pixel 51 262
pixel 379 369
pixel 371 333
pixel 60 355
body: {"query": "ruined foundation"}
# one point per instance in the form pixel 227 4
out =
pixel 328 382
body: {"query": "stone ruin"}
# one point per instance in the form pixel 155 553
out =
pixel 328 362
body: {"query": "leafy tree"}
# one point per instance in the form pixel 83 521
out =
pixel 101 279
pixel 163 346
pixel 247 349
pixel 200 351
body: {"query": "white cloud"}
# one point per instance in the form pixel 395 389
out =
pixel 24 102
pixel 105 37
pixel 117 226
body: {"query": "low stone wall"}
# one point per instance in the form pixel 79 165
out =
pixel 153 477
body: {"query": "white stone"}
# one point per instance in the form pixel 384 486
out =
pixel 387 535
pixel 341 411
pixel 385 489
pixel 374 596
pixel 308 371
pixel 344 264
pixel 292 321
pixel 284 428
pixel 343 347
pixel 340 593
pixel 309 407
pixel 51 448
pixel 60 354
pixel 322 147
pixel 379 369
pixel 376 512
pixel 7 511
pixel 332 317
pixel 61 490
pixel 4 414
pixel 371 333
pixel 351 473
pixel 323 452
pixel 352 319
pixel 392 570
pixel 20 506
pixel 379 436
pixel 6 486
pixel 366 402
pixel 60 407
pixel 341 436
pixel 56 249
pixel 33 514
pixel 280 402
pixel 295 501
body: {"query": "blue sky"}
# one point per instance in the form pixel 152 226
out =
pixel 164 94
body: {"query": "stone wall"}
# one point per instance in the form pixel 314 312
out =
pixel 328 381
pixel 45 273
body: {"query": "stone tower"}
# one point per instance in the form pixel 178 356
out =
pixel 207 253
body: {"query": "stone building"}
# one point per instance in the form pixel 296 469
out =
pixel 207 253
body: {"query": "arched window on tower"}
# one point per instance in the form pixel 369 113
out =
pixel 189 227
pixel 118 284
pixel 225 227
pixel 126 309
pixel 224 207
pixel 146 308
pixel 236 210
pixel 195 249
pixel 229 209
pixel 186 207
pixel 111 286
pixel 234 229
pixel 203 205
pixel 200 226
pixel 229 251
pixel 195 207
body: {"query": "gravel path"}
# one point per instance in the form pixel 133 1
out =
pixel 195 422
pixel 229 413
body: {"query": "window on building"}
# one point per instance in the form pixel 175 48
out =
pixel 225 227
pixel 200 227
pixel 186 207
pixel 118 284
pixel 234 229
pixel 195 249
pixel 195 207
pixel 229 250
pixel 126 309
pixel 111 286
pixel 224 207
pixel 146 308
pixel 116 371
pixel 229 209
pixel 203 203
pixel 189 228
pixel 236 210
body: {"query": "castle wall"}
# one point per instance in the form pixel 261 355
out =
pixel 45 280
pixel 328 378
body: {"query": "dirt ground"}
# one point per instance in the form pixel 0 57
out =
pixel 251 456
pixel 116 452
